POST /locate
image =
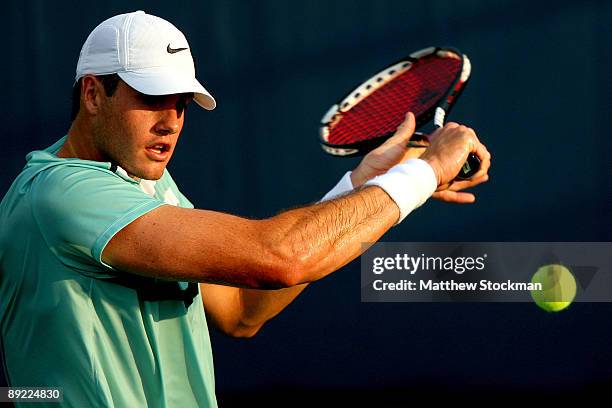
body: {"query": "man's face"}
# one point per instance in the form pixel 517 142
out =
pixel 139 132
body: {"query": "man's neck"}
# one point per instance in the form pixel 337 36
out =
pixel 79 143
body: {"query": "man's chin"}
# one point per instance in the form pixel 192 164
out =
pixel 147 174
pixel 153 176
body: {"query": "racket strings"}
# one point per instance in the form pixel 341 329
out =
pixel 417 90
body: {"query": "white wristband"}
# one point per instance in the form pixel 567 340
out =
pixel 344 186
pixel 409 184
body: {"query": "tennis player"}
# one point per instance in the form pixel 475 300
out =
pixel 108 275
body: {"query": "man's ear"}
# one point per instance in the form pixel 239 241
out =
pixel 92 92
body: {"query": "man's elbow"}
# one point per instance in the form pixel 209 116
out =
pixel 282 268
pixel 244 331
pixel 287 258
pixel 289 272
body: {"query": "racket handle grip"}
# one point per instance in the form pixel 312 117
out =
pixel 470 167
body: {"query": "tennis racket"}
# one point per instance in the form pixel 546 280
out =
pixel 427 83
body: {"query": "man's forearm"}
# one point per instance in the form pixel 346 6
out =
pixel 259 306
pixel 324 237
pixel 241 312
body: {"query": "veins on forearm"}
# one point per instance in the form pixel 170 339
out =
pixel 332 224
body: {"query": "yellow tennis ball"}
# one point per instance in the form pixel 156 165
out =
pixel 558 287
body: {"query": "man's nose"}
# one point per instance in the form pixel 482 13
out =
pixel 169 122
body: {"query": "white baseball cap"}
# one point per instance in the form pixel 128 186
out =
pixel 147 52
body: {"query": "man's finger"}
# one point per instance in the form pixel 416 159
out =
pixel 463 184
pixel 454 197
pixel 404 131
pixel 485 159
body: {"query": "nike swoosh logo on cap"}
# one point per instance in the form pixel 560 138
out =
pixel 174 50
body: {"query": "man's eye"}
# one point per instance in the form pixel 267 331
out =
pixel 182 103
pixel 152 101
pixel 159 101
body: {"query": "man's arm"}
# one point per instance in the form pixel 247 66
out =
pixel 296 246
pixel 300 245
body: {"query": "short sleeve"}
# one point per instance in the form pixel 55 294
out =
pixel 79 209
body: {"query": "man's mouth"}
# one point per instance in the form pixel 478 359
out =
pixel 158 151
pixel 159 148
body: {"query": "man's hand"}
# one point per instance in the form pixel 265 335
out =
pixel 448 150
pixel 387 155
pixel 446 155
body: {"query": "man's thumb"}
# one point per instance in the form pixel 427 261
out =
pixel 405 130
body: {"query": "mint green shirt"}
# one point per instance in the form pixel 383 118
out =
pixel 108 338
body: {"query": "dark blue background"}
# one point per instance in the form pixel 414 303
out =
pixel 539 98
